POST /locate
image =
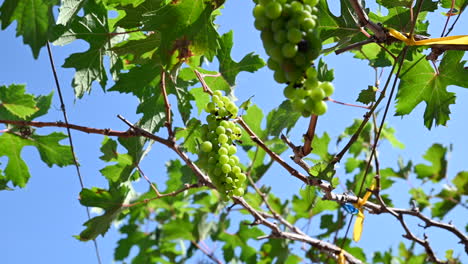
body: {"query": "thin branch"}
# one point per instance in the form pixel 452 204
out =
pixel 341 103
pixel 329 195
pixel 364 21
pixel 72 149
pixel 448 18
pixel 297 153
pixel 309 136
pixel 200 77
pixel 168 122
pixel 159 195
pixel 277 233
pixel 208 254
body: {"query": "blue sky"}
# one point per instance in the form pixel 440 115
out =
pixel 38 221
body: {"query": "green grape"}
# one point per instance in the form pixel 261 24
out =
pixel 241 176
pixel 298 104
pixel 293 76
pixel 224 123
pixel 328 88
pixel 311 2
pixel 220 130
pixel 259 11
pixel 289 50
pixel 232 150
pixel 296 6
pixel 276 54
pixel 273 65
pixel 229 180
pixel 277 24
pixel 273 10
pixel 226 168
pixel 206 146
pixel 238 192
pixel 223 159
pixel 280 36
pixel 320 108
pixel 308 24
pixel 294 35
pixel 280 77
pixel 311 73
pixel 317 94
pixel 289 92
pixel 236 169
pixel 223 138
pixel 223 151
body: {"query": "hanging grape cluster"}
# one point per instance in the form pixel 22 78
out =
pixel 218 149
pixel 290 37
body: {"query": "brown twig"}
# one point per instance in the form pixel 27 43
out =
pixel 200 77
pixel 72 149
pixel 297 153
pixel 341 103
pixel 159 195
pixel 277 233
pixel 208 254
pixel 309 136
pixel 364 21
pixel 168 122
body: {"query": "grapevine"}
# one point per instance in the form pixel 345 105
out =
pixel 218 149
pixel 291 39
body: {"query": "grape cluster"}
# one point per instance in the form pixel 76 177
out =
pixel 289 35
pixel 308 98
pixel 290 38
pixel 218 150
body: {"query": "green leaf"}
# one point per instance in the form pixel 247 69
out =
pixel 185 26
pixel 201 98
pixel 438 168
pixel 459 4
pixel 51 151
pixel 450 199
pixel 367 96
pixel 142 81
pixel 253 118
pixel 154 113
pixel 240 240
pixel 323 73
pixel 178 175
pixel 16 169
pixel 341 29
pixel 461 182
pixel 389 134
pixel 320 146
pixel 109 149
pixel 109 200
pixel 376 55
pixel 191 135
pixel 228 67
pixel 119 172
pixel 419 82
pixel 68 10
pixel 89 65
pixel 282 117
pixel 180 228
pixel 34 19
pixel 15 99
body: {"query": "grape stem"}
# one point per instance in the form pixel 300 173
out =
pixel 168 123
pixel 341 103
pixel 309 136
pixel 200 77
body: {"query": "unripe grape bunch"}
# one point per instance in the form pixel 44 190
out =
pixel 218 149
pixel 290 37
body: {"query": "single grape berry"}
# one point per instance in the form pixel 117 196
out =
pixel 206 146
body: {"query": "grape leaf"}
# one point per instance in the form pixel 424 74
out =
pixel 154 113
pixel 140 80
pixel 419 82
pixel 323 73
pixel 367 96
pixel 68 10
pixel 320 146
pixel 34 19
pixel 109 200
pixel 228 67
pixel 459 4
pixel 119 172
pixel 191 135
pixel 375 54
pixel 438 168
pixel 109 149
pixel 16 169
pixel 201 98
pixel 15 99
pixel 186 26
pixel 450 199
pixel 89 65
pixel 282 117
pixel 51 152
pixel 342 29
pixel 461 182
